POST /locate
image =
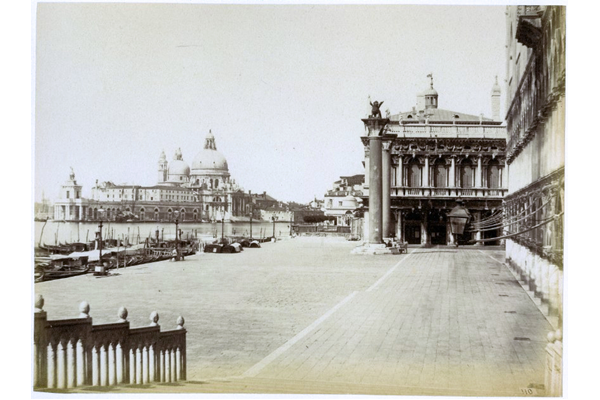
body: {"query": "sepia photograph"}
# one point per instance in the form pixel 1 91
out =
pixel 297 199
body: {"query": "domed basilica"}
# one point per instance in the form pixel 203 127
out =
pixel 204 192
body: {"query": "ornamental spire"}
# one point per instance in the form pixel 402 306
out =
pixel 209 142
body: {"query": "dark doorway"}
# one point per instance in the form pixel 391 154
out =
pixel 437 232
pixel 412 232
pixel 491 234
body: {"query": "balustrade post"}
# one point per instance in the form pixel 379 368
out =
pixel 120 367
pixel 178 364
pixel 95 366
pixel 138 365
pixel 40 344
pixel 163 365
pixel 71 365
pixel 80 362
pixel 103 365
pixel 173 365
pixel 152 362
pixel 132 364
pixel 168 365
pixel 146 365
pixel 61 367
pixel 112 365
pixel 51 369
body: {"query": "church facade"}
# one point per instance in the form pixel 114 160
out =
pixel 430 158
pixel 204 192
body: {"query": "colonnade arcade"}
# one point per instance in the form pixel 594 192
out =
pixel 423 177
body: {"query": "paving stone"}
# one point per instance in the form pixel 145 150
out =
pixel 431 321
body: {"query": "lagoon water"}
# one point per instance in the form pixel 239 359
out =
pixel 53 232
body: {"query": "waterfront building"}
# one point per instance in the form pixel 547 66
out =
pixel 71 205
pixel 343 200
pixel 431 157
pixel 535 155
pixel 204 192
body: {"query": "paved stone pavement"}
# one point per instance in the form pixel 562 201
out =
pixel 306 316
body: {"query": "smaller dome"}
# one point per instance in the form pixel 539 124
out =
pixel 179 167
pixel 430 92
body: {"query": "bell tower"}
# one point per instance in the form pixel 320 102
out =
pixel 162 167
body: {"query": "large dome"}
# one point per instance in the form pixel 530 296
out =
pixel 211 160
pixel 179 167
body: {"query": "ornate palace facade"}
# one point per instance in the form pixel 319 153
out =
pixel 431 157
pixel 536 149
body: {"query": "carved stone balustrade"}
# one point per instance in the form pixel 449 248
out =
pixel 401 191
pixel 73 352
pixel 553 378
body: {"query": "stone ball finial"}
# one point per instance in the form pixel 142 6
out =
pixel 39 303
pixel 122 313
pixel 154 318
pixel 550 337
pixel 84 309
pixel 180 322
pixel 558 334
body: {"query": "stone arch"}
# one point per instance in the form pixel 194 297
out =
pixel 440 173
pixel 467 173
pixel 494 174
pixel 414 173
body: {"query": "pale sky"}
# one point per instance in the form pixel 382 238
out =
pixel 283 88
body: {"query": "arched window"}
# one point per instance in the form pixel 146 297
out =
pixel 494 175
pixel 142 214
pixel 440 173
pixel 211 183
pixel 216 183
pixel 414 173
pixel 467 174
pixel 169 214
pixel 182 215
pixel 156 214
pixel 195 214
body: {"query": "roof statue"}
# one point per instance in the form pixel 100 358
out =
pixel 430 76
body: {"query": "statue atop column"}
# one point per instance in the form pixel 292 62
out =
pixel 375 112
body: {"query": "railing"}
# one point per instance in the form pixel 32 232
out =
pixel 443 130
pixel 400 191
pixel 73 353
pixel 553 376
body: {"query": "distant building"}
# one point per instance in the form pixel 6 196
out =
pixel 344 199
pixel 204 192
pixel 431 157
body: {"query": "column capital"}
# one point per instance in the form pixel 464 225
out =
pixel 375 126
pixel 387 145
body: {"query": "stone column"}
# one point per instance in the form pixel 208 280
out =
pixel 478 173
pixel 424 228
pixel 375 128
pixel 426 173
pixel 399 170
pixel 367 165
pixel 477 216
pixel 399 233
pixel 452 176
pixel 386 167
